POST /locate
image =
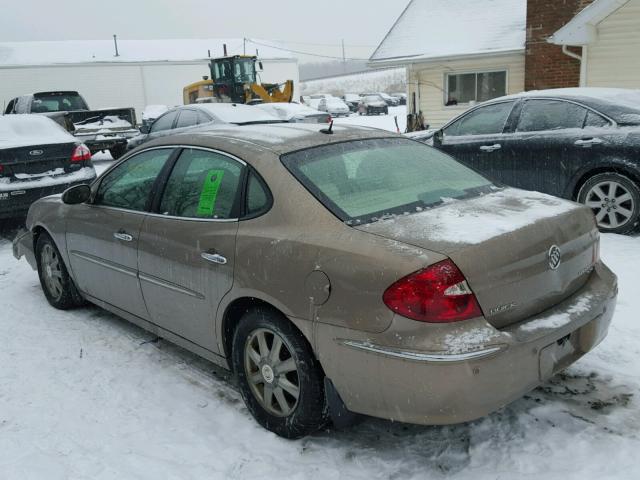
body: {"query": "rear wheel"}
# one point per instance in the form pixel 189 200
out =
pixel 614 199
pixel 56 283
pixel 281 381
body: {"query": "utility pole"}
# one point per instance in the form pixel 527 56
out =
pixel 244 45
pixel 344 59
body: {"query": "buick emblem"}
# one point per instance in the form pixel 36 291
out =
pixel 554 257
pixel 35 153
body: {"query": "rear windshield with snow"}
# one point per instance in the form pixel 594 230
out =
pixel 362 181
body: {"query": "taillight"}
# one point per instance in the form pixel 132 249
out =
pixel 436 294
pixel 329 119
pixel 81 153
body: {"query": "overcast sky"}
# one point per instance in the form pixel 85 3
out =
pixel 310 26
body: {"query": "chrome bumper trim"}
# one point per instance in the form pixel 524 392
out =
pixel 440 357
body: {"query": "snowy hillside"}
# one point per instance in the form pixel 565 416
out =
pixel 387 80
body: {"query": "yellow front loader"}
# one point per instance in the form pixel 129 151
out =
pixel 234 80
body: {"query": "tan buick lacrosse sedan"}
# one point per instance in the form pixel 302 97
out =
pixel 350 271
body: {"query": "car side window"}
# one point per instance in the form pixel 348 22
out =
pixel 165 122
pixel 540 115
pixel 596 120
pixel 257 197
pixel 10 106
pixel 482 121
pixel 187 118
pixel 203 184
pixel 203 118
pixel 129 184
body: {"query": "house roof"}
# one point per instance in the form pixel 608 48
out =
pixel 94 51
pixel 433 29
pixel 581 30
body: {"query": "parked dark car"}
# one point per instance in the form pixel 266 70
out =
pixel 373 104
pixel 107 129
pixel 352 100
pixel 199 115
pixel 582 144
pixel 38 158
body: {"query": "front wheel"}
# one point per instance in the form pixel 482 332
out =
pixel 56 283
pixel 615 201
pixel 280 380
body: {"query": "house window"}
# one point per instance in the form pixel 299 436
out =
pixel 474 87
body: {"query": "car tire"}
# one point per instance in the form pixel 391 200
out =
pixel 258 371
pixel 117 152
pixel 57 285
pixel 615 201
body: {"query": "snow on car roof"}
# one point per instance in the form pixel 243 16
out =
pixel 236 112
pixel 286 110
pixel 26 130
pixel 89 51
pixel 621 104
pixel 435 28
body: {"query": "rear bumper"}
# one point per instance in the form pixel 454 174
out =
pixel 23 247
pixel 457 373
pixel 106 141
pixel 16 203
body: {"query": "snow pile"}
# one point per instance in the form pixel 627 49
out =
pixel 54 177
pixel 467 341
pixel 31 130
pixel 435 28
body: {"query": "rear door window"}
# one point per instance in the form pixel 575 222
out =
pixel 486 120
pixel 202 184
pixel 596 120
pixel 130 183
pixel 187 118
pixel 541 115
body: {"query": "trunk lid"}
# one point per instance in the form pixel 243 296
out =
pixel 502 242
pixel 37 160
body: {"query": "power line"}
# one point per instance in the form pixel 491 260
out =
pixel 324 44
pixel 304 53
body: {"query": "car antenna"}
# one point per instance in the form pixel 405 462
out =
pixel 328 131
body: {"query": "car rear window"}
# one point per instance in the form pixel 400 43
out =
pixel 364 180
pixel 57 102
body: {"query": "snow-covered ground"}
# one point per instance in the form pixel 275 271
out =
pixel 86 395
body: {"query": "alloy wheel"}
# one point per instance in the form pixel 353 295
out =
pixel 272 372
pixel 51 270
pixel 612 204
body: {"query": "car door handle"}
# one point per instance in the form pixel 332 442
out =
pixel 125 237
pixel 490 148
pixel 214 257
pixel 587 142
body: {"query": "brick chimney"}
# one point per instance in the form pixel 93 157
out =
pixel 545 64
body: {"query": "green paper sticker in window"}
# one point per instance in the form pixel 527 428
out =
pixel 209 193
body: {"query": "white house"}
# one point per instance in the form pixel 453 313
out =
pixel 457 53
pixel 145 72
pixel 609 33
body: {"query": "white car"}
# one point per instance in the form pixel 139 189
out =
pixel 334 106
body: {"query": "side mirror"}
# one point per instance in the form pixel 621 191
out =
pixel 260 65
pixel 437 138
pixel 76 194
pixel 145 128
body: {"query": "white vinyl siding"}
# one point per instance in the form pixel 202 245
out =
pixel 614 59
pixel 431 79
